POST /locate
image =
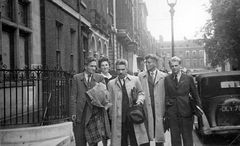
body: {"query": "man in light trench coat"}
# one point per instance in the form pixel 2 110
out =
pixel 120 96
pixel 152 82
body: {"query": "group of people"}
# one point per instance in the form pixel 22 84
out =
pixel 101 113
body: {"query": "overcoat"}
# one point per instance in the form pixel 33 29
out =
pixel 115 92
pixel 78 103
pixel 159 102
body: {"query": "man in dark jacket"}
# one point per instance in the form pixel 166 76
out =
pixel 178 89
pixel 80 106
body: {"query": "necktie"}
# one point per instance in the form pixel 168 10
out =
pixel 176 79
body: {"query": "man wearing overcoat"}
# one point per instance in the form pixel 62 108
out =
pixel 120 88
pixel 179 87
pixel 152 82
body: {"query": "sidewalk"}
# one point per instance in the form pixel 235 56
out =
pixel 152 143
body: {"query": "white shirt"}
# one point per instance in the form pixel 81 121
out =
pixel 179 76
pixel 122 80
pixel 108 76
pixel 153 74
pixel 86 77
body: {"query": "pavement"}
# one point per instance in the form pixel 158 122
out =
pixel 152 143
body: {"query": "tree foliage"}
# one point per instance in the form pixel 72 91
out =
pixel 222 32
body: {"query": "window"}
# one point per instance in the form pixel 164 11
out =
pixel 201 63
pixel 187 54
pixel 15 51
pixel 110 7
pixel 194 53
pixel 58 43
pixel 23 53
pixel 73 48
pixel 85 46
pixel 23 12
pixel 99 48
pixel 7 10
pixel 187 63
pixel 58 58
pixel 73 40
pixel 194 63
pixel 6 51
pixel 105 53
pixel 71 63
pixel 201 53
pixel 58 35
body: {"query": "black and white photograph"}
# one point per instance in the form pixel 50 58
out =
pixel 119 72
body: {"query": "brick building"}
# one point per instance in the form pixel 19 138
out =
pixel 191 52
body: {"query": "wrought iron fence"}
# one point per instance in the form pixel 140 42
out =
pixel 33 96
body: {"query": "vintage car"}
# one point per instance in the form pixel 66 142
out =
pixel 220 96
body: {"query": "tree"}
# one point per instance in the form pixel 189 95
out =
pixel 222 33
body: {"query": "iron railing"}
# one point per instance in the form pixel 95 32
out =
pixel 34 96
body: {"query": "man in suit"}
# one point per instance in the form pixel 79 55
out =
pixel 120 89
pixel 79 102
pixel 178 89
pixel 152 82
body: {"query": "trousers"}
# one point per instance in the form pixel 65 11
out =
pixel 181 127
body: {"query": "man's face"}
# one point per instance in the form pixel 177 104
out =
pixel 121 70
pixel 150 64
pixel 175 66
pixel 91 67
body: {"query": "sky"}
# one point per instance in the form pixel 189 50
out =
pixel 189 17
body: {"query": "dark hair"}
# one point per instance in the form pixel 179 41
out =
pixel 102 60
pixel 152 56
pixel 89 60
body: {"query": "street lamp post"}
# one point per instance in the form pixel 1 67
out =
pixel 172 3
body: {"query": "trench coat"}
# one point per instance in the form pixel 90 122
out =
pixel 115 93
pixel 78 103
pixel 159 102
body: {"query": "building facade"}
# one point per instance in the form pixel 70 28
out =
pixel 60 34
pixel 191 52
pixel 74 30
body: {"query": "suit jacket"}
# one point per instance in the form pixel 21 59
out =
pixel 115 93
pixel 78 96
pixel 177 96
pixel 159 104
